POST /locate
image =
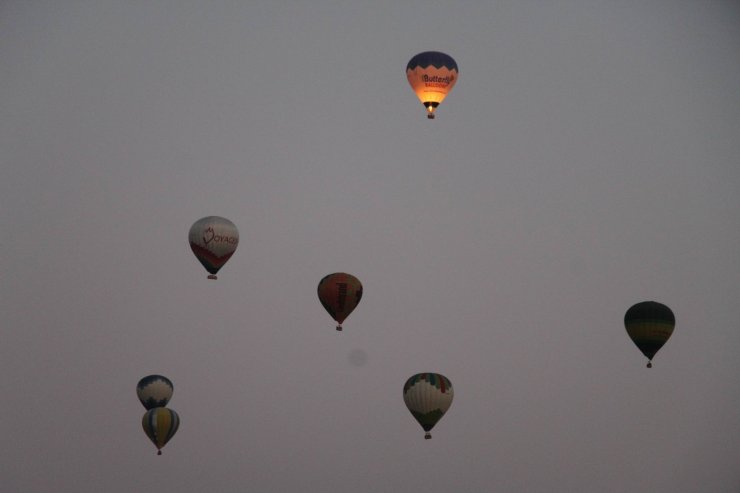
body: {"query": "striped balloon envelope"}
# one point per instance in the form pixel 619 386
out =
pixel 339 293
pixel 428 396
pixel 432 76
pixel 160 425
pixel 213 240
pixel 649 324
pixel 154 391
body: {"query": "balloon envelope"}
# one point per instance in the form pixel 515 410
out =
pixel 213 240
pixel 649 325
pixel 339 293
pixel 154 391
pixel 432 76
pixel 428 396
pixel 160 425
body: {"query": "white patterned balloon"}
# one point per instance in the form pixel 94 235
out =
pixel 213 240
pixel 428 396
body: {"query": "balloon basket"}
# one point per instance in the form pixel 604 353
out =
pixel 159 452
pixel 339 328
pixel 430 116
pixel 428 436
pixel 650 364
pixel 213 276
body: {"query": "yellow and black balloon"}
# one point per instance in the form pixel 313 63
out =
pixel 432 75
pixel 160 425
pixel 649 324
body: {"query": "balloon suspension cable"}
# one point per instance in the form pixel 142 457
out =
pixel 427 436
pixel 212 276
pixel 650 364
pixel 339 327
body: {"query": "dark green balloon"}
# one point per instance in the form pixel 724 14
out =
pixel 649 324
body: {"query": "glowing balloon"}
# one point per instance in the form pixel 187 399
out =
pixel 213 240
pixel 154 391
pixel 340 293
pixel 428 397
pixel 649 325
pixel 432 76
pixel 160 425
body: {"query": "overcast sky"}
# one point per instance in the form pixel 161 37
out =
pixel 586 160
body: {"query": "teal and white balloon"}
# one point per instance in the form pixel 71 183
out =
pixel 154 391
pixel 428 396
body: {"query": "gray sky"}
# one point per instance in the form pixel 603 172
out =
pixel 586 160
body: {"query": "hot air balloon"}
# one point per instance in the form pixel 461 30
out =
pixel 428 396
pixel 339 293
pixel 213 240
pixel 160 425
pixel 649 325
pixel 432 75
pixel 154 391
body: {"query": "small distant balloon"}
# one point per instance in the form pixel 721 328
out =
pixel 432 76
pixel 213 240
pixel 339 293
pixel 428 396
pixel 160 425
pixel 649 324
pixel 154 391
